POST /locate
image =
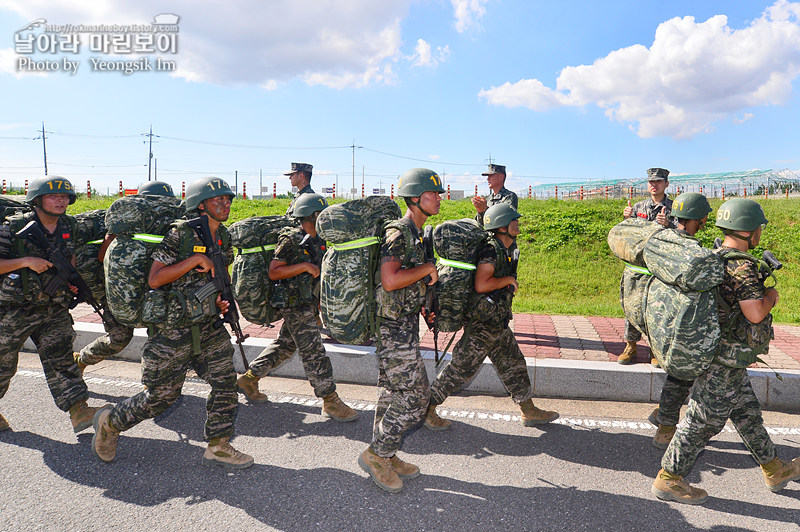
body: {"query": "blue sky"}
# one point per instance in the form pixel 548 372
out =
pixel 556 90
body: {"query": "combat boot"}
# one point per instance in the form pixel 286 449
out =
pixel 248 385
pixel 3 424
pixel 433 421
pixel 777 473
pixel 81 415
pixel 532 415
pixel 333 406
pixel 222 453
pixel 653 417
pixel 403 469
pixel 81 366
pixel 669 487
pixel 381 471
pixel 104 441
pixel 654 362
pixel 663 436
pixel 627 356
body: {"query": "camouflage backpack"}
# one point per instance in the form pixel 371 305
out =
pixel 139 223
pixel 255 239
pixel 89 234
pixel 353 231
pixel 9 205
pixel 457 243
pixel 680 304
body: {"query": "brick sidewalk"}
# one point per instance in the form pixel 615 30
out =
pixel 557 337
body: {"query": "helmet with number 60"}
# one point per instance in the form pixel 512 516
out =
pixel 50 185
pixel 204 188
pixel 740 214
pixel 418 180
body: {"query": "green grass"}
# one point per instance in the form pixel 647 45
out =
pixel 566 266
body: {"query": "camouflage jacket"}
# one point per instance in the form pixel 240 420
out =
pixel 742 340
pixel 190 299
pixel 503 196
pixel 24 286
pixel 303 288
pixel 649 209
pixel 305 190
pixel 401 243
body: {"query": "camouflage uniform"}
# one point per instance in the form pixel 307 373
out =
pixel 33 313
pixel 299 330
pixel 169 351
pixel 503 196
pixel 305 190
pixel 723 392
pixel 404 387
pixel 645 210
pixel 487 338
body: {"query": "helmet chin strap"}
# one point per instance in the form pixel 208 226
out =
pixel 417 205
pixel 40 205
pixel 207 213
pixel 747 239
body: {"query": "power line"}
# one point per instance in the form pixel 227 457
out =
pixel 252 146
pixel 421 160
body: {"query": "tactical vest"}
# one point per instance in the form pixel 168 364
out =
pixel 190 299
pixel 24 286
pixel 301 289
pixel 742 340
pixel 494 308
pixel 395 304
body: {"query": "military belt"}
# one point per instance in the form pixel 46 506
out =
pixel 354 244
pixel 457 264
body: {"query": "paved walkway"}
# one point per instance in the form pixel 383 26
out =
pixel 557 337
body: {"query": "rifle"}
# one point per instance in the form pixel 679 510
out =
pixel 222 281
pixel 308 246
pixel 65 272
pixel 431 305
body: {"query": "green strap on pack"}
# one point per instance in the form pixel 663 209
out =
pixel 638 269
pixel 355 244
pixel 196 339
pixel 257 249
pixel 457 264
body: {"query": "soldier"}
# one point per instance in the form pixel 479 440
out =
pixel 657 209
pixel 117 336
pixel 403 382
pixel 28 310
pixel 295 268
pixel 724 392
pixel 690 212
pixel 487 332
pixel 300 178
pixel 496 177
pixel 194 339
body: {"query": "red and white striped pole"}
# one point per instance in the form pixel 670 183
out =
pixel 4 186
pixel 334 191
pixel 606 194
pixel 476 190
pixel 183 189
pixel 766 190
pixel 120 189
pixel 88 189
pixel 244 190
pixel 392 196
pixel 448 192
pixel 274 190
pixel 26 189
pixel 745 192
pixel 723 193
pixel 529 191
pixel 362 190
pixel 556 192
pixel 630 193
pixel 581 192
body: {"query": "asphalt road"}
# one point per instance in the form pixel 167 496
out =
pixel 590 471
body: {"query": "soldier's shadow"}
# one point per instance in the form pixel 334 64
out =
pixel 301 499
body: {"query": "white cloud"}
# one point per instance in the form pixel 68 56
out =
pixel 744 118
pixel 338 44
pixel 423 56
pixel 467 14
pixel 693 75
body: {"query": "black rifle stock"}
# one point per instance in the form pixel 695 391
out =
pixel 65 272
pixel 222 281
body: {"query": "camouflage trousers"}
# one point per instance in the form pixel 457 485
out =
pixel 168 354
pixel 673 395
pixel 720 393
pixel 51 330
pixel 299 332
pixel 404 387
pixel 117 337
pixel 480 341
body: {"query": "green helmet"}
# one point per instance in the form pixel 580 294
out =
pixel 418 180
pixel 308 204
pixel 155 188
pixel 740 214
pixel 690 206
pixel 204 188
pixel 499 215
pixel 50 185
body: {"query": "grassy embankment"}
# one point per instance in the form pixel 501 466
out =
pixel 566 266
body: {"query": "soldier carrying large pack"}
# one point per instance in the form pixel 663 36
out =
pixel 487 333
pixel 35 298
pixel 295 269
pixel 184 309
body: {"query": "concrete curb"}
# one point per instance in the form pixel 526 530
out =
pixel 558 378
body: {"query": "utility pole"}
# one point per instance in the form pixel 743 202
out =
pixel 260 185
pixel 44 147
pixel 353 146
pixel 155 171
pixel 150 158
